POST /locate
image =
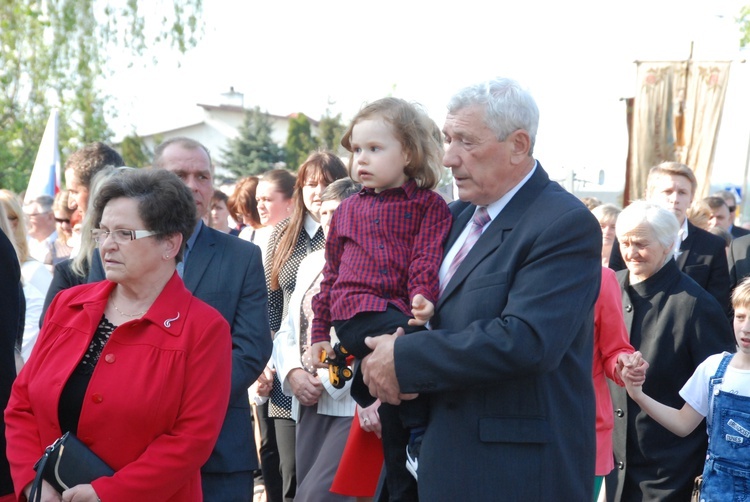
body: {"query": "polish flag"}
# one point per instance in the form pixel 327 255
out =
pixel 45 177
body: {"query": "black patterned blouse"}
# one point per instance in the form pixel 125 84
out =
pixel 278 300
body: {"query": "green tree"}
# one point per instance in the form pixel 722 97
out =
pixel 330 131
pixel 53 52
pixel 299 141
pixel 134 151
pixel 744 21
pixel 253 151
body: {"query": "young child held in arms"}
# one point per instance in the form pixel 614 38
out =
pixel 720 391
pixel 383 252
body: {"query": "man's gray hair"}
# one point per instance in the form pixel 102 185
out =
pixel 507 105
pixel 45 203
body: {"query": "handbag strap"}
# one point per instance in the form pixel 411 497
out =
pixel 35 495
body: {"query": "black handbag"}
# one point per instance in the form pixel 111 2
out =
pixel 66 463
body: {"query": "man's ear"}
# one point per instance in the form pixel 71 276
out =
pixel 520 145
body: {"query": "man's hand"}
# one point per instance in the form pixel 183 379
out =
pixel 306 388
pixel 422 309
pixel 379 369
pixel 318 348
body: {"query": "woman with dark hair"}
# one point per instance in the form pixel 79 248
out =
pixel 291 241
pixel 129 356
pixel 323 413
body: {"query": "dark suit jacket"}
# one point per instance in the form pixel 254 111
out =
pixel 507 366
pixel 739 231
pixel 11 319
pixel 227 273
pixel 703 257
pixel 739 260
pixel 62 279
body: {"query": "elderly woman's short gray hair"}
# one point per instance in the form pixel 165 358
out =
pixel 662 222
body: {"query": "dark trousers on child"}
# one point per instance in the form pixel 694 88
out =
pixel 396 421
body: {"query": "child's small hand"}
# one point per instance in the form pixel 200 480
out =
pixel 633 373
pixel 316 349
pixel 422 309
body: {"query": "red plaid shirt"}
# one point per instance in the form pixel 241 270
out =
pixel 381 248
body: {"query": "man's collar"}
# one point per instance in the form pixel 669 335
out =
pixel 191 240
pixel 683 233
pixel 494 208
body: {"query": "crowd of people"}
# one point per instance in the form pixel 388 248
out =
pixel 343 332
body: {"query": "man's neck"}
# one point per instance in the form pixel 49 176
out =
pixel 40 236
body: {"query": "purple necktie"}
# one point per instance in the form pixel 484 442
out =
pixel 480 219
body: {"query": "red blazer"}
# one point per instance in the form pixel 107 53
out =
pixel 155 403
pixel 610 340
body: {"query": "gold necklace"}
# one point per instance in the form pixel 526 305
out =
pixel 139 314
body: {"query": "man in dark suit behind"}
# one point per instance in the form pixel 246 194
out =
pixel 731 201
pixel 507 365
pixel 702 255
pixel 11 323
pixel 739 260
pixel 227 273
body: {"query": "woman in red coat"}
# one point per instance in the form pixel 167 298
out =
pixel 611 351
pixel 135 366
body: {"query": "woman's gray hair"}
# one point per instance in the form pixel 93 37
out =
pixel 664 223
pixel 507 106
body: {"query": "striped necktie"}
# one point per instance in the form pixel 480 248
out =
pixel 480 219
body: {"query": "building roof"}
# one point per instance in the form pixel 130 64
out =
pixel 241 109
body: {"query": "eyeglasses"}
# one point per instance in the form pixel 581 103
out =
pixel 732 209
pixel 119 235
pixel 62 220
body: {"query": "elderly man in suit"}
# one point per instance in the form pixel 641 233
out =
pixel 507 364
pixel 227 273
pixel 701 255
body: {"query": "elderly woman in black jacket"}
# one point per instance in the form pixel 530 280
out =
pixel 676 325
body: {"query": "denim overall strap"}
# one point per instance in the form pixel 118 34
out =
pixel 714 380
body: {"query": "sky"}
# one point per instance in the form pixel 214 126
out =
pixel 576 57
